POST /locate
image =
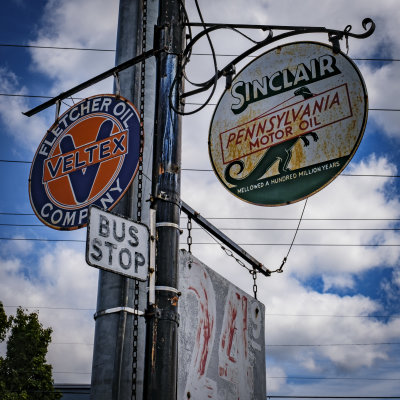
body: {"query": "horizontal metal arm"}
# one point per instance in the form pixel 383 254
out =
pixel 92 81
pixel 224 239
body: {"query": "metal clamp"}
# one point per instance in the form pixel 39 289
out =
pixel 169 225
pixel 174 199
pixel 129 310
pixel 167 289
pixel 167 315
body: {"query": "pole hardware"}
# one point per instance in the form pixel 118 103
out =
pixel 128 310
pixel 334 36
pixel 162 314
pixel 163 196
pixel 117 84
pixel 58 106
pixel 169 225
pixel 228 73
pixel 224 239
pixel 168 289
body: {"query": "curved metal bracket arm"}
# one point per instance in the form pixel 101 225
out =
pixel 111 72
pixel 334 36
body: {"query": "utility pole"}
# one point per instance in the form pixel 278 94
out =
pixel 163 318
pixel 113 355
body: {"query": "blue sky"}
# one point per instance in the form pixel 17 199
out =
pixel 346 296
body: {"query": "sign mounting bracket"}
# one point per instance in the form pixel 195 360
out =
pixel 190 212
pixel 334 36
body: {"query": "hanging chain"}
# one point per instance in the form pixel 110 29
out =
pixel 255 289
pixel 189 237
pixel 253 272
pixel 135 339
pixel 139 201
pixel 141 112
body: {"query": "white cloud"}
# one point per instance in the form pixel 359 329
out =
pixel 61 286
pixel 338 281
pixel 383 94
pixel 27 133
pixel 296 315
pixel 90 24
pixel 275 378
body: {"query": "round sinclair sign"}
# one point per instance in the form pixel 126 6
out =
pixel 289 124
pixel 89 156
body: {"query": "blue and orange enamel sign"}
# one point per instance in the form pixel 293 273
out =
pixel 88 157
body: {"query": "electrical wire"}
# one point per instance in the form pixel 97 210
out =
pixel 247 229
pixel 31 46
pixel 210 170
pixel 194 54
pixel 330 397
pixel 255 218
pixel 188 103
pixel 267 314
pixel 331 378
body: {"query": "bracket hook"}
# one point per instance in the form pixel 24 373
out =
pixel 58 107
pixel 228 72
pixel 334 39
pixel 117 84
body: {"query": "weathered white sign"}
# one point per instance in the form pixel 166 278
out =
pixel 117 244
pixel 221 337
pixel 289 124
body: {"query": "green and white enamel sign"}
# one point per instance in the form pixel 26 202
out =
pixel 289 124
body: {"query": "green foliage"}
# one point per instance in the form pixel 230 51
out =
pixel 24 373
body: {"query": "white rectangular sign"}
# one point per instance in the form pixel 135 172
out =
pixel 221 343
pixel 117 244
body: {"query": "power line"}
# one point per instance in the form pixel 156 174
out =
pixel 214 243
pixel 194 54
pixel 31 46
pixel 296 219
pixel 52 308
pixel 307 244
pixel 267 314
pixel 257 218
pixel 247 229
pixel 44 240
pixel 35 96
pixel 334 344
pixel 369 109
pixel 72 372
pixel 332 378
pixel 73 343
pixel 15 213
pixel 343 174
pixel 189 103
pixel 254 56
pixel 210 170
pixel 329 397
pixel 333 315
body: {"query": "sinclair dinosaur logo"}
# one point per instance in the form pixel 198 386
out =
pixel 294 129
pixel 89 156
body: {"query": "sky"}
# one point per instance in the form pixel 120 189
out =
pixel 332 319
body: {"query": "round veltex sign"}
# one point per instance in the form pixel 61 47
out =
pixel 289 124
pixel 89 156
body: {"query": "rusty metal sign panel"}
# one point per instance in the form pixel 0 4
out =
pixel 290 123
pixel 221 337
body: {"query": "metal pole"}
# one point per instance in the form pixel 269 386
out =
pixel 162 321
pixel 112 353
